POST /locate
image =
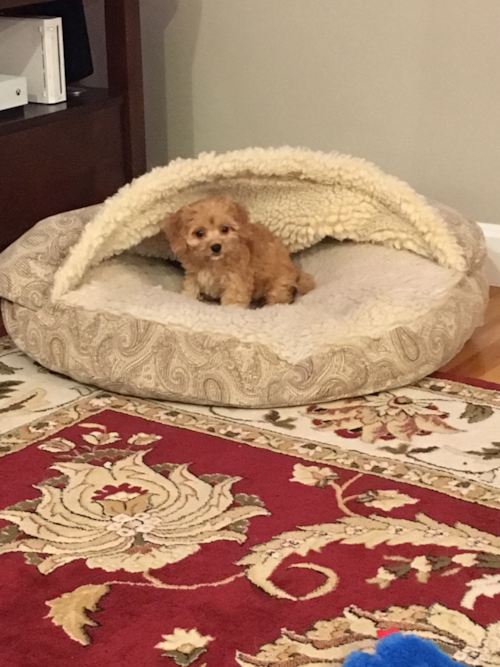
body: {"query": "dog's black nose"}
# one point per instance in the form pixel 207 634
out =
pixel 216 248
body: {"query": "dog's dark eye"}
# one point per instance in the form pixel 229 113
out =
pixel 224 230
pixel 199 233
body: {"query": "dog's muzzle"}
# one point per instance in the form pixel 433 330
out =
pixel 216 248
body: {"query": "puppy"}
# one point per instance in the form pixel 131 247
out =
pixel 227 257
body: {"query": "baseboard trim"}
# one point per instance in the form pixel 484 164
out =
pixel 492 235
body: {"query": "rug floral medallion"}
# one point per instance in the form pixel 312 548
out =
pixel 136 532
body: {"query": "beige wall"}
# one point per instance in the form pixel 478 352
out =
pixel 412 85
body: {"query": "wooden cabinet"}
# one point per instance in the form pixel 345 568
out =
pixel 59 157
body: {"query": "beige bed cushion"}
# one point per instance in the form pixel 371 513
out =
pixel 55 310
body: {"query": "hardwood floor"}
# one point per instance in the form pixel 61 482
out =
pixel 480 357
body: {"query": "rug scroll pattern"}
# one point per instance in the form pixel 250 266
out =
pixel 273 538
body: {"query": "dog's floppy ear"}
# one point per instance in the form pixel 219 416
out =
pixel 239 213
pixel 174 231
pixel 241 217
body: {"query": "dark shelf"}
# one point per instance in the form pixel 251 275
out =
pixel 8 4
pixel 60 157
pixel 32 115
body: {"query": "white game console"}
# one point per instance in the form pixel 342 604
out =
pixel 13 92
pixel 33 48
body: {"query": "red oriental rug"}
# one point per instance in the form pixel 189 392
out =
pixel 135 532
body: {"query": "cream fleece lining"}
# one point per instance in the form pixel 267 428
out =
pixel 302 195
pixel 362 290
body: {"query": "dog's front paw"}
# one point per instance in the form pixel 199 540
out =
pixel 235 301
pixel 237 292
pixel 192 294
pixel 190 288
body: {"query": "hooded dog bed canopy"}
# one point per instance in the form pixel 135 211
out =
pixel 400 286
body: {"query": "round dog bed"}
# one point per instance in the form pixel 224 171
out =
pixel 400 286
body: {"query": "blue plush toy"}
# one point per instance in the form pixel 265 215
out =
pixel 399 650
